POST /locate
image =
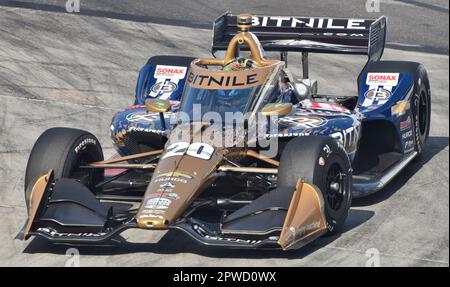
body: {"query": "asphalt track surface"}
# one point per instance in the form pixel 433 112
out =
pixel 416 25
pixel 59 69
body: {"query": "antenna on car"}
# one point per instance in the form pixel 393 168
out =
pixel 244 22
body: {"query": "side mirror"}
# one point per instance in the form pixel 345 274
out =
pixel 157 105
pixel 279 109
pixel 305 88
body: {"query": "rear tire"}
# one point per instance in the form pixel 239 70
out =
pixel 64 150
pixel 320 161
pixel 421 109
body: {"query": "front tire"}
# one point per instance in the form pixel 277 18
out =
pixel 64 150
pixel 324 163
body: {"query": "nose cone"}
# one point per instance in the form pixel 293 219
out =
pixel 153 222
pixel 179 177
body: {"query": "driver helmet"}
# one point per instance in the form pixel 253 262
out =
pixel 240 63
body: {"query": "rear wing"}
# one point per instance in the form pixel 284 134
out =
pixel 300 34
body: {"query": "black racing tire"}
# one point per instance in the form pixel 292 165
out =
pixel 421 109
pixel 64 150
pixel 318 159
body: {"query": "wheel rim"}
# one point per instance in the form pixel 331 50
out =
pixel 335 187
pixel 423 113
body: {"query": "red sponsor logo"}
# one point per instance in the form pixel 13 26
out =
pixel 405 124
pixel 383 78
pixel 328 107
pixel 170 72
pixel 386 79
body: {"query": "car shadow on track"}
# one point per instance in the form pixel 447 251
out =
pixel 174 242
pixel 433 146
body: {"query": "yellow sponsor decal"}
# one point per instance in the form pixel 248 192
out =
pixel 400 108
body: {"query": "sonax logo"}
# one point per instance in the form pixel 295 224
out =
pixel 170 72
pixel 382 79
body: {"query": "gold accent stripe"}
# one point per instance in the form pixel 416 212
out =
pixel 254 154
pixel 124 158
pixel 248 169
pixel 35 200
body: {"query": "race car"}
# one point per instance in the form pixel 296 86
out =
pixel 168 175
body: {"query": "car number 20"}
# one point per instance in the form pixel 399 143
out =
pixel 198 150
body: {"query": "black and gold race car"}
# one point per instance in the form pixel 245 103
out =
pixel 232 150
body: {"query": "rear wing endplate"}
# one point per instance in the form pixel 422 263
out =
pixel 316 35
